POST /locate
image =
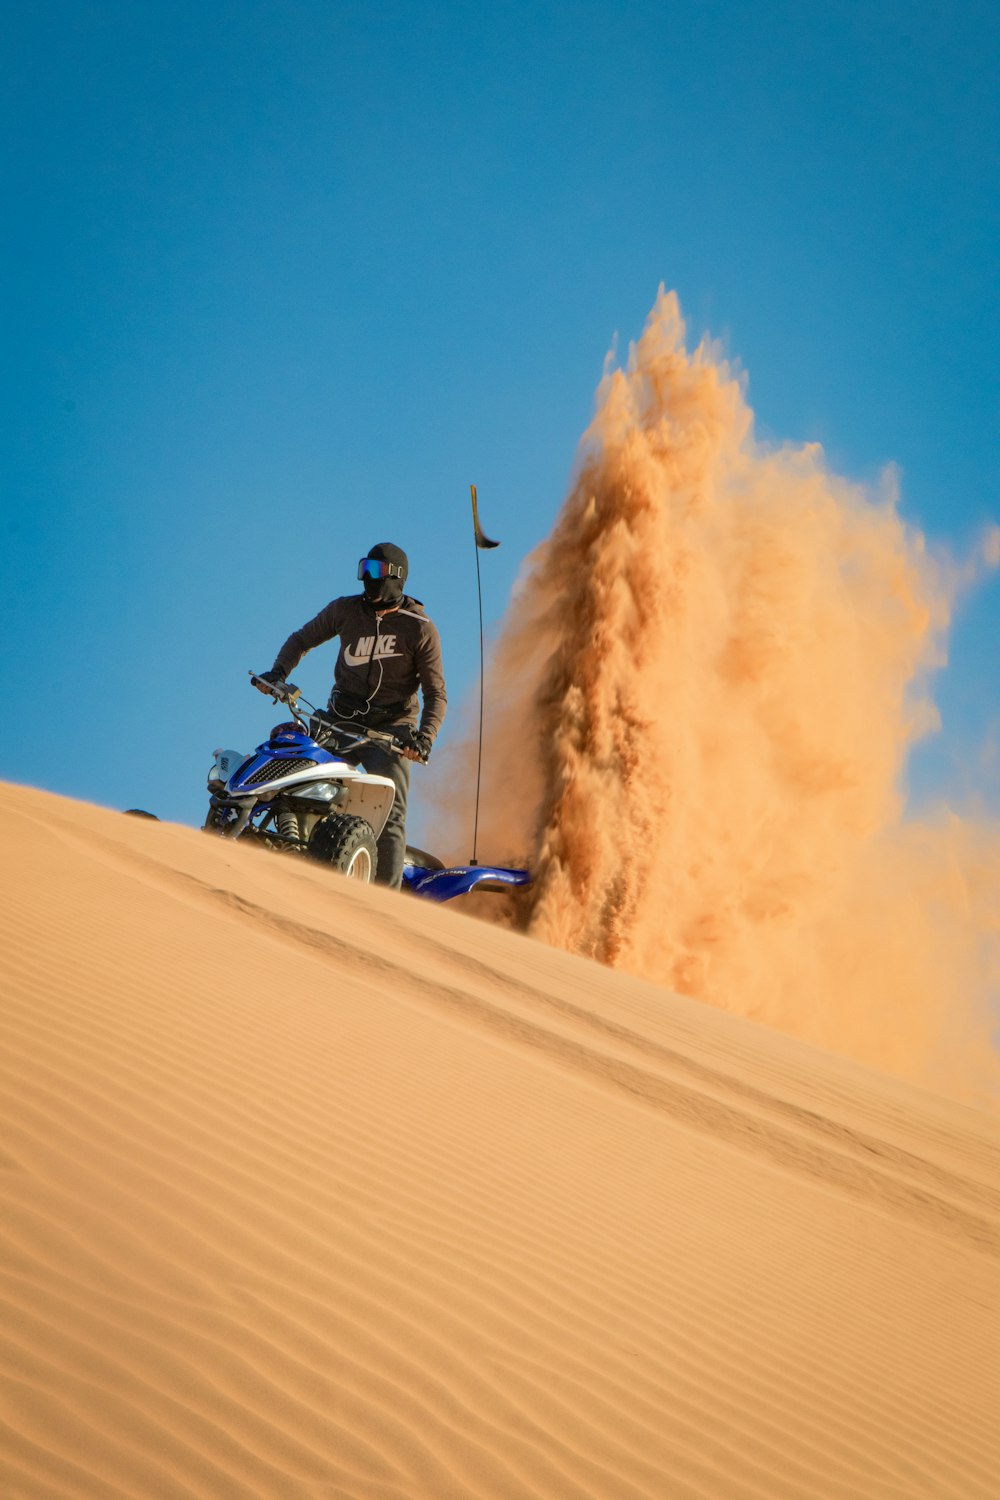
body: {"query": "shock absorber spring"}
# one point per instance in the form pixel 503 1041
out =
pixel 288 826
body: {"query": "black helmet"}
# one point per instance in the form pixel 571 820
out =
pixel 383 573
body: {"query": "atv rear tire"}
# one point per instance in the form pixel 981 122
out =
pixel 348 844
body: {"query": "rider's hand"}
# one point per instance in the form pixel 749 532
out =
pixel 266 682
pixel 417 746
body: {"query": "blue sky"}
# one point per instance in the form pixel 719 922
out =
pixel 280 279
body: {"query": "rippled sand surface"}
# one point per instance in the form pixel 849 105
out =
pixel 311 1190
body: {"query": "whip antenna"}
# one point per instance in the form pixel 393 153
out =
pixel 481 541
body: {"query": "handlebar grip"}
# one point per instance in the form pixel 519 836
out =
pixel 282 692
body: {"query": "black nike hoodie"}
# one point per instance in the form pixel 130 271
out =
pixel 384 658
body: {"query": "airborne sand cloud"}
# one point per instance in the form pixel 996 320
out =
pixel 699 712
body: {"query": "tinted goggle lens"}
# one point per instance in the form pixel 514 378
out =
pixel 373 567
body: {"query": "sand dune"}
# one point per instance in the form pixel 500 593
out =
pixel 311 1190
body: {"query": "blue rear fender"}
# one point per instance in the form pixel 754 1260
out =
pixel 444 885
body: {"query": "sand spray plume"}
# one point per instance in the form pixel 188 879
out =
pixel 700 707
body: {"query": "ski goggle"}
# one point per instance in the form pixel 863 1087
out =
pixel 374 567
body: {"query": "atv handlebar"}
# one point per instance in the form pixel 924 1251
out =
pixel 360 737
pixel 291 696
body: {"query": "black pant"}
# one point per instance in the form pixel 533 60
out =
pixel 392 839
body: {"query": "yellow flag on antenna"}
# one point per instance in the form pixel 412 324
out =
pixel 482 540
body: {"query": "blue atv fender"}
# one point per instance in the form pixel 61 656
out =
pixel 426 876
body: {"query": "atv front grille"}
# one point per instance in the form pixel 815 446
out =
pixel 278 766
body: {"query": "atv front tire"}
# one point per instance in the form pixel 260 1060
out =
pixel 348 844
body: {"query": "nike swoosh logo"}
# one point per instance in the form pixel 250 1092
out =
pixel 363 655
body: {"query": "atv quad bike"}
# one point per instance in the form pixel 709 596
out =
pixel 297 793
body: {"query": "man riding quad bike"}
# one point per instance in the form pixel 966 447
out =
pixel 389 651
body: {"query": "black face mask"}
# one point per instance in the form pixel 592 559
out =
pixel 386 593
